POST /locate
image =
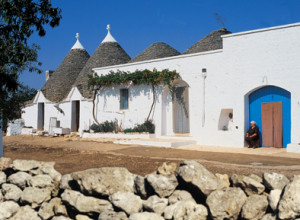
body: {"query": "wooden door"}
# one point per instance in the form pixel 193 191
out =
pixel 271 115
pixel 77 115
pixel 41 116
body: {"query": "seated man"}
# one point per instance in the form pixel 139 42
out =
pixel 252 135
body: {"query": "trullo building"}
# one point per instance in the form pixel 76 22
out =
pixel 254 75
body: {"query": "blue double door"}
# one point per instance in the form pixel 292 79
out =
pixel 270 108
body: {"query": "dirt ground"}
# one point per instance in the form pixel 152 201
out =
pixel 74 154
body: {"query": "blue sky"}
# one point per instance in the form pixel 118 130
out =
pixel 136 24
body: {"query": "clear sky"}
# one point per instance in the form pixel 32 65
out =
pixel 136 24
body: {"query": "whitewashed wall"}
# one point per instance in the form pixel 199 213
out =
pixel 248 61
pixel 265 57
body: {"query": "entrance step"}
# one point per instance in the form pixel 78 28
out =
pixel 157 142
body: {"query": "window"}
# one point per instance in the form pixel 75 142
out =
pixel 123 98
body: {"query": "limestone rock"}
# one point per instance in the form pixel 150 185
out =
pixel 167 168
pixel 127 202
pixel 256 177
pixel 145 216
pixel 269 216
pixel 274 198
pixel 5 163
pixel 61 218
pixel 289 205
pixel 11 192
pixel 35 196
pixel 56 176
pixel 20 179
pixel 249 185
pixel 64 181
pixel 26 213
pixel 113 216
pixel 85 204
pixel 30 165
pixel 163 185
pixel 223 180
pixel 8 209
pixel 186 210
pixel 82 217
pixel 40 181
pixel 2 178
pixel 155 204
pixel 275 181
pixel 226 203
pixel 105 181
pixel 140 186
pixel 1 196
pixel 255 207
pixel 180 195
pixel 51 208
pixel 192 172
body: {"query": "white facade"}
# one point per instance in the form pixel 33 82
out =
pixel 247 62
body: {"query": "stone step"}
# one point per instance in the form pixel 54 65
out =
pixel 157 143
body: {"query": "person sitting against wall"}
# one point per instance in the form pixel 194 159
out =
pixel 252 135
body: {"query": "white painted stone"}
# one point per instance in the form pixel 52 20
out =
pixel 77 45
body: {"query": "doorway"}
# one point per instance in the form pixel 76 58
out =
pixel 271 116
pixel 270 108
pixel 181 109
pixel 75 116
pixel 41 116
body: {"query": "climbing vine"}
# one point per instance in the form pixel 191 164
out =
pixel 138 77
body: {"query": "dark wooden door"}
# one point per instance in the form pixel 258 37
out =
pixel 41 116
pixel 271 115
pixel 77 115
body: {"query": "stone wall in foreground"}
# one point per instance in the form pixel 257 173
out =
pixel 33 190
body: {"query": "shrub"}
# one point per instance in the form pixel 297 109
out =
pixel 129 130
pixel 147 126
pixel 107 126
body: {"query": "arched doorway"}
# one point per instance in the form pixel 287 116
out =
pixel 270 108
pixel 181 122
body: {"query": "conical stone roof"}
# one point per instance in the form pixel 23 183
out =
pixel 108 53
pixel 155 51
pixel 60 83
pixel 213 41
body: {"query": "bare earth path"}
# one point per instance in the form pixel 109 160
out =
pixel 73 154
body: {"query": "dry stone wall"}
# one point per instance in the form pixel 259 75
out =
pixel 34 190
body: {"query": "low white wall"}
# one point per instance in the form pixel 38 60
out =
pixel 118 135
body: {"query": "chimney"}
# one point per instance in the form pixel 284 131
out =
pixel 49 74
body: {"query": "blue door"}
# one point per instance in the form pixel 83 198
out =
pixel 271 94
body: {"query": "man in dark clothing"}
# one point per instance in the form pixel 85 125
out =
pixel 252 135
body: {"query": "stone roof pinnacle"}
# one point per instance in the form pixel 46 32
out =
pixel 77 45
pixel 109 37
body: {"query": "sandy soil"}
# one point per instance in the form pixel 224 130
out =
pixel 73 154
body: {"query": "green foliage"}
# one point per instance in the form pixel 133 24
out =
pixel 147 126
pixel 13 103
pixel 139 77
pixel 128 130
pixel 18 21
pixel 107 126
